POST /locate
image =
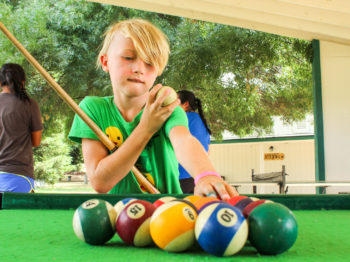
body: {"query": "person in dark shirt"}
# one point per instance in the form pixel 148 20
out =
pixel 20 131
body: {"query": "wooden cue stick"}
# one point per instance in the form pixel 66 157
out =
pixel 102 136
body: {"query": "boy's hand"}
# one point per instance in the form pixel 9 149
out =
pixel 154 114
pixel 215 187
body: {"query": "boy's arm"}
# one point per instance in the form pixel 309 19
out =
pixel 105 170
pixel 192 156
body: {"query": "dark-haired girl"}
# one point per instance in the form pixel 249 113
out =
pixel 199 129
pixel 20 130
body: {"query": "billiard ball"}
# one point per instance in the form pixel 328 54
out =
pixel 203 201
pixel 172 96
pixel 249 208
pixel 94 221
pixel 172 226
pixel 221 229
pixel 119 206
pixel 241 204
pixel 133 222
pixel 233 200
pixel 163 200
pixel 273 228
pixel 192 198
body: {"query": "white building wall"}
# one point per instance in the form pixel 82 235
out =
pixel 235 161
pixel 335 70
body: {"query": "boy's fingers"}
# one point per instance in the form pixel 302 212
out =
pixel 205 190
pixel 221 191
pixel 231 190
pixel 153 92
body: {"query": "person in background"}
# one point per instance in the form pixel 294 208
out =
pixel 20 131
pixel 150 136
pixel 199 129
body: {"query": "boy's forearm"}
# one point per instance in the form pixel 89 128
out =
pixel 117 165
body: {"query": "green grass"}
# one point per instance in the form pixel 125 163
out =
pixel 66 187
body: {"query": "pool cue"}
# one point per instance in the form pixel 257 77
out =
pixel 102 136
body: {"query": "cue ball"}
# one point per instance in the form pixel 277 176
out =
pixel 273 228
pixel 172 226
pixel 94 221
pixel 172 96
pixel 221 229
pixel 133 222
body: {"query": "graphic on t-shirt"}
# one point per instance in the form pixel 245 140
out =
pixel 115 135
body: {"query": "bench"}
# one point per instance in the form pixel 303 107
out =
pixel 266 179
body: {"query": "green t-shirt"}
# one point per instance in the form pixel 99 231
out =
pixel 157 161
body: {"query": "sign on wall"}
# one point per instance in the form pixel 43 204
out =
pixel 273 156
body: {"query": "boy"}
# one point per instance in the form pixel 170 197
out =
pixel 148 135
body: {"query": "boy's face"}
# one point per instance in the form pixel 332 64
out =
pixel 129 74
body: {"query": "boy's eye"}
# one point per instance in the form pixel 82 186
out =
pixel 128 57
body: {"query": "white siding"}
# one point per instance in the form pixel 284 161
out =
pixel 235 161
pixel 335 66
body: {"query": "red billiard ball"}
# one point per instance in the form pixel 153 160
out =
pixel 119 206
pixel 133 223
pixel 233 200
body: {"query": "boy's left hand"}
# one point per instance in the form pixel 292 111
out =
pixel 214 187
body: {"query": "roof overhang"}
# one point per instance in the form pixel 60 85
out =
pixel 305 19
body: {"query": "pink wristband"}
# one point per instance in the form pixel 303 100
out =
pixel 209 173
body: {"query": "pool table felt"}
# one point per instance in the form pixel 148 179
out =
pixel 47 235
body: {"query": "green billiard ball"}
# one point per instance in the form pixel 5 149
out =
pixel 273 228
pixel 94 221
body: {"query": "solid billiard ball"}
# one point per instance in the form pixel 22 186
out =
pixel 133 222
pixel 163 200
pixel 172 96
pixel 241 204
pixel 94 221
pixel 249 208
pixel 203 201
pixel 221 229
pixel 192 198
pixel 273 228
pixel 172 226
pixel 233 200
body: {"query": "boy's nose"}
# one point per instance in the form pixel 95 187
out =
pixel 139 66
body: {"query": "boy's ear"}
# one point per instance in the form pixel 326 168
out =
pixel 104 62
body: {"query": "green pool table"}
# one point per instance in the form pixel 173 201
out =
pixel 38 227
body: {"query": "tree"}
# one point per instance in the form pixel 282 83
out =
pixel 244 77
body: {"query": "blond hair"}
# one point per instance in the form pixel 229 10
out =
pixel 151 43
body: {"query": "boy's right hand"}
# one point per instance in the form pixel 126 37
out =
pixel 154 114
